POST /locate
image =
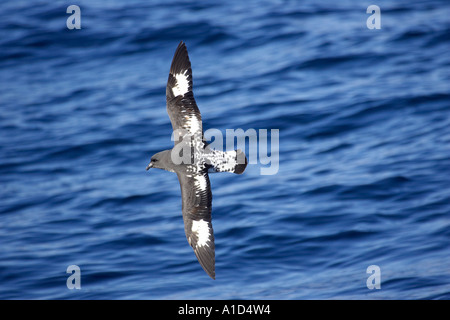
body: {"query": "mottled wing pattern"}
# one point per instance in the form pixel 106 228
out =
pixel 196 202
pixel 230 161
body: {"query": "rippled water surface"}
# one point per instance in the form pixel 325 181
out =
pixel 364 174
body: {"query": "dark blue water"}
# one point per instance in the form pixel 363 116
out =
pixel 364 175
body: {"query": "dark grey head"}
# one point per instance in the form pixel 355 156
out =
pixel 161 160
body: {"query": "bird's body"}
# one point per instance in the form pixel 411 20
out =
pixel 191 159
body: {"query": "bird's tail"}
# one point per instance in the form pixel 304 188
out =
pixel 241 162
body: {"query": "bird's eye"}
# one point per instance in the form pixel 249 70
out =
pixel 153 160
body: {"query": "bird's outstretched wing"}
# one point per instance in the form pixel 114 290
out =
pixel 196 196
pixel 181 106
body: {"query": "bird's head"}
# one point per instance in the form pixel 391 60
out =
pixel 159 160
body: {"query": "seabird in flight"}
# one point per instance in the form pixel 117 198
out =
pixel 191 159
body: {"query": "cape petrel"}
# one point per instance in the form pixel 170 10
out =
pixel 197 160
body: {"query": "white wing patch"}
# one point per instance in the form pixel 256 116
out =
pixel 192 124
pixel 200 183
pixel 201 229
pixel 182 86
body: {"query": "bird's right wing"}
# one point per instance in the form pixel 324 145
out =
pixel 197 199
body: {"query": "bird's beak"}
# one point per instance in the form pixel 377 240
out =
pixel 150 165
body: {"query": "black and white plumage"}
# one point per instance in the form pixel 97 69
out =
pixel 193 174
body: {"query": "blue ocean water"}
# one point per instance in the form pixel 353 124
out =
pixel 364 149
